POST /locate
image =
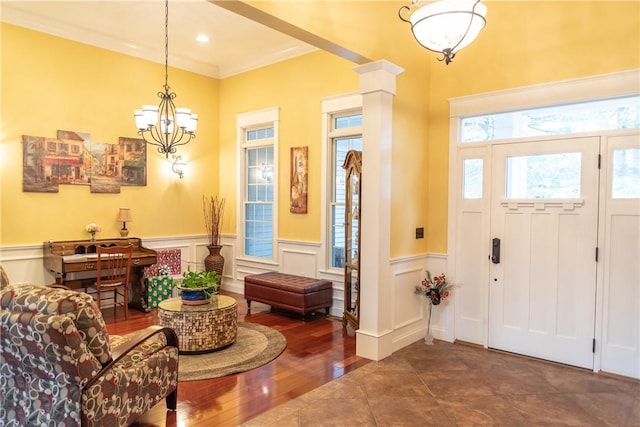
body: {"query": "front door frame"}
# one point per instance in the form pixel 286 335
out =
pixel 578 90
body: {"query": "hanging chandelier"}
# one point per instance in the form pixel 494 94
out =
pixel 164 125
pixel 445 26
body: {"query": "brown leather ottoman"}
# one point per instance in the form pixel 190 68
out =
pixel 294 293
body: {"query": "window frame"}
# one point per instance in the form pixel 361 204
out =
pixel 332 108
pixel 245 123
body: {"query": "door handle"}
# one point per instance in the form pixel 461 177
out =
pixel 495 251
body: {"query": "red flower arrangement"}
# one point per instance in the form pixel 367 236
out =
pixel 436 289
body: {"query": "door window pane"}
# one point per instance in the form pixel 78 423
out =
pixel 625 181
pixel 544 176
pixel 472 178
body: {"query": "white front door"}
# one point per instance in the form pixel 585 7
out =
pixel 544 217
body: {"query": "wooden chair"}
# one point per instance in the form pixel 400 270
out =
pixel 114 269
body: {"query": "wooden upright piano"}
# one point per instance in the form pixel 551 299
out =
pixel 74 263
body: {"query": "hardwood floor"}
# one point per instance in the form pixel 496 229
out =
pixel 318 351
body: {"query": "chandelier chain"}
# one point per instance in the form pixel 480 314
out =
pixel 166 126
pixel 166 45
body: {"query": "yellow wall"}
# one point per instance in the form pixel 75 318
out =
pixel 524 43
pixel 372 29
pixel 48 84
pixel 296 88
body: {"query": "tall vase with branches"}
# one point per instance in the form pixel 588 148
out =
pixel 213 210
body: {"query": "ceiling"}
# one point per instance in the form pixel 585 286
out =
pixel 236 44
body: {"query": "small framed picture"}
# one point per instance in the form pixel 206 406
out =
pixel 299 173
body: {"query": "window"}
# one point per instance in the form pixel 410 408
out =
pixel 341 132
pixel 254 135
pixel 592 116
pixel 625 183
pixel 472 178
pixel 60 170
pixel 257 137
pixel 544 176
pixel 349 128
pixel 259 202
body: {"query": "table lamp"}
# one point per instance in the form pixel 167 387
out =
pixel 125 216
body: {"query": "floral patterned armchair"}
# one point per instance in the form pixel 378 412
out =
pixel 59 366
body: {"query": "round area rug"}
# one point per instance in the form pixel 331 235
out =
pixel 255 345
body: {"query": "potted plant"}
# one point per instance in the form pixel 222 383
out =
pixel 436 289
pixel 213 210
pixel 197 287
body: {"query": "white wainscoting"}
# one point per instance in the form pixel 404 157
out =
pixel 299 258
pixel 24 264
pixel 410 309
pixel 294 257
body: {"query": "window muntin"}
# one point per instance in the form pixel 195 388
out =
pixel 263 133
pixel 258 230
pixel 543 176
pixel 259 174
pixel 259 193
pixel 592 116
pixel 348 121
pixel 340 147
pixel 625 177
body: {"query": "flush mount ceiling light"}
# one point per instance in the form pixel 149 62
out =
pixel 445 26
pixel 166 126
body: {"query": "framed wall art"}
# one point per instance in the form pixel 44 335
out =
pixel 73 158
pixel 299 175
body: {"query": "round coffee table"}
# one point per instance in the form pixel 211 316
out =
pixel 201 328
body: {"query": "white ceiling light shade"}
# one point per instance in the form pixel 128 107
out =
pixel 445 26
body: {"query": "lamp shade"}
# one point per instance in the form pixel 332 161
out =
pixel 150 113
pixel 447 26
pixel 125 215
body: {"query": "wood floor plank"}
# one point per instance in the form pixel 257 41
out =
pixel 318 351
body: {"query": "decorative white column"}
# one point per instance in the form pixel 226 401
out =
pixel 377 86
